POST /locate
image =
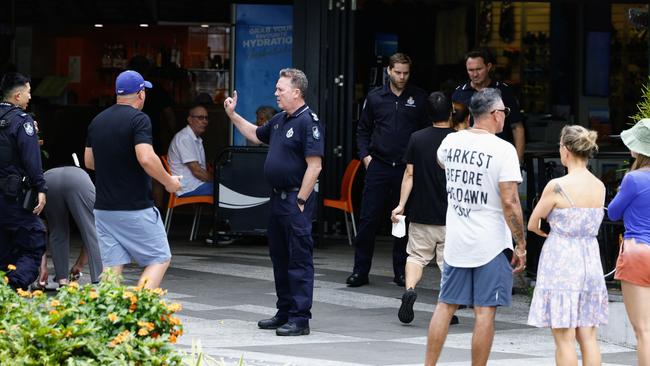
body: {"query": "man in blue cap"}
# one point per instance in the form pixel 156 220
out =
pixel 119 149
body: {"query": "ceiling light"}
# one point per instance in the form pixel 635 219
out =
pixel 144 25
pixel 99 25
pixel 205 26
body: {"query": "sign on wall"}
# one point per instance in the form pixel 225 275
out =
pixel 263 46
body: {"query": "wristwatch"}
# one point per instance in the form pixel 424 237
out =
pixel 300 201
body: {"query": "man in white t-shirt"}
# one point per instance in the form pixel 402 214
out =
pixel 186 156
pixel 483 217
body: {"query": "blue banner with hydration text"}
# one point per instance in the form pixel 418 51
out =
pixel 263 46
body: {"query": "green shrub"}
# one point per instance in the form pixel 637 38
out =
pixel 643 107
pixel 104 324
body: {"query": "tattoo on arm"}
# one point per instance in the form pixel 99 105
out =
pixel 516 227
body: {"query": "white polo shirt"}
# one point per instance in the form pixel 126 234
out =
pixel 185 148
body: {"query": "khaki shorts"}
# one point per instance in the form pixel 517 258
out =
pixel 425 242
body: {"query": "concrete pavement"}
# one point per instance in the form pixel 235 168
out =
pixel 226 290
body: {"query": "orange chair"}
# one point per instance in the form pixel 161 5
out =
pixel 345 202
pixel 175 201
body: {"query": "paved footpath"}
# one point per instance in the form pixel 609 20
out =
pixel 226 290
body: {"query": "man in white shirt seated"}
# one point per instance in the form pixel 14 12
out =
pixel 186 156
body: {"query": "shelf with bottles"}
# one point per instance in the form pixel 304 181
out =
pixel 535 65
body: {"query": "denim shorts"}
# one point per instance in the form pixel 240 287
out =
pixel 487 285
pixel 131 236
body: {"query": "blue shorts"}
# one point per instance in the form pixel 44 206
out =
pixel 126 236
pixel 487 285
pixel 205 189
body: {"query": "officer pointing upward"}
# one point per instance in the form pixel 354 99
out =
pixel 22 233
pixel 296 148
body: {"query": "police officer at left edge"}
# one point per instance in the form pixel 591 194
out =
pixel 22 233
pixel 293 163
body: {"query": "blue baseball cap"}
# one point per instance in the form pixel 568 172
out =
pixel 130 82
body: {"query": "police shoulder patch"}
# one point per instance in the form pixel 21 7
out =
pixel 315 132
pixel 29 128
pixel 314 116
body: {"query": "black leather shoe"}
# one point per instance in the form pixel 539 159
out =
pixel 356 280
pixel 272 323
pixel 405 313
pixel 292 329
pixel 399 281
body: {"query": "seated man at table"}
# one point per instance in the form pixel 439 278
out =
pixel 186 156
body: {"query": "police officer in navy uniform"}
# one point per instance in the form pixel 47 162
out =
pixel 22 233
pixel 479 66
pixel 390 115
pixel 296 148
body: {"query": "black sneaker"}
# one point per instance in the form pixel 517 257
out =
pixel 405 313
pixel 454 320
pixel 221 240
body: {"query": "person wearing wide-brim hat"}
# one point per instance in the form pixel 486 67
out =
pixel 632 204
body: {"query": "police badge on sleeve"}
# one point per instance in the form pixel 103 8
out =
pixel 29 128
pixel 315 132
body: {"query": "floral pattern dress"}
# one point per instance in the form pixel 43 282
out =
pixel 570 290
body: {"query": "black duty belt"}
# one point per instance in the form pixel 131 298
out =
pixel 386 161
pixel 283 191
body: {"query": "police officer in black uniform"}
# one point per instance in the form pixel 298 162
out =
pixel 22 233
pixel 390 115
pixel 296 148
pixel 479 67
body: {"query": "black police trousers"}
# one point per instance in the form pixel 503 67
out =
pixel 22 243
pixel 380 195
pixel 291 248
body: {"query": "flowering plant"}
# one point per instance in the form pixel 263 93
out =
pixel 104 324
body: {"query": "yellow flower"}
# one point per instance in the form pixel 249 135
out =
pixel 175 307
pixel 158 291
pixel 134 299
pixel 79 321
pixel 174 321
pixel 119 338
pixel 54 303
pixel 143 332
pixel 93 295
pixel 147 325
pixel 2 331
pixel 53 312
pixel 127 294
pixel 112 317
pixel 68 334
pixel 73 284
pixel 37 293
pixel 11 267
pixel 172 339
pixel 23 293
pixel 132 308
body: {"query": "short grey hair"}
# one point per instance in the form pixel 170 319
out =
pixel 483 100
pixel 298 79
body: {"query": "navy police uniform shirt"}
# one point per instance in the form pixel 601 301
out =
pixel 463 94
pixel 387 122
pixel 291 138
pixel 26 151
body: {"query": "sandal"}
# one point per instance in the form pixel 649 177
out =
pixel 75 275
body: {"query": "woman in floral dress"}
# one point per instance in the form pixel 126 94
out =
pixel 570 295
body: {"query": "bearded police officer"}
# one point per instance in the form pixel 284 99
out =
pixel 296 148
pixel 22 233
pixel 390 115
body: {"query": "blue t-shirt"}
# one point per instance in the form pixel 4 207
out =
pixel 122 184
pixel 632 204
